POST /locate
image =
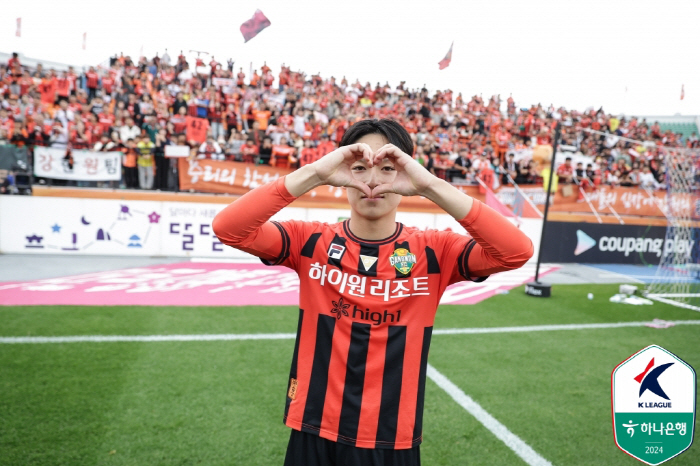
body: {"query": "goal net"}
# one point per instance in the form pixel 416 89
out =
pixel 677 278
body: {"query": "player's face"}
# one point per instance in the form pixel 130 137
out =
pixel 384 204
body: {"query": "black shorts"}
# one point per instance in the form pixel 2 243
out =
pixel 311 450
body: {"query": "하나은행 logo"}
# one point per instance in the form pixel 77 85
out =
pixel 340 308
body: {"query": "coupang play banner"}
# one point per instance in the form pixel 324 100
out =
pixel 611 243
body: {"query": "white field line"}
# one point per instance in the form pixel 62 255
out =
pixel 290 336
pixel 149 338
pixel 546 328
pixel 512 441
pixel 610 273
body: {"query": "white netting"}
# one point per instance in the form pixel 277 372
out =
pixel 677 279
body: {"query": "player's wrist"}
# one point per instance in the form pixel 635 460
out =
pixel 432 190
pixel 303 180
pixel 450 199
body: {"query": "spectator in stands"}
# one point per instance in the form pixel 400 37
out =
pixel 613 178
pixel 283 155
pixel 234 144
pixel 309 154
pixel 80 138
pixel 635 174
pixel 250 151
pixel 160 181
pixel 13 61
pixel 565 171
pixel 59 135
pixel 145 149
pixel 129 131
pixel 64 114
pixel 130 170
pixel 325 146
pixel 265 152
pixel 102 144
pixel 526 172
pixel 511 169
pixel 92 82
pixel 647 180
pixel 499 172
pixel 461 166
pixel 210 149
pixel 178 104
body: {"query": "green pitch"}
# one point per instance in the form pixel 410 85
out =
pixel 221 402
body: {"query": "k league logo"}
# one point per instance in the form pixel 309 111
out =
pixel 650 381
pixel 653 404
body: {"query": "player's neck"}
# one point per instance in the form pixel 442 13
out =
pixel 375 229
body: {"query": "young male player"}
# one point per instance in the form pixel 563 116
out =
pixel 369 290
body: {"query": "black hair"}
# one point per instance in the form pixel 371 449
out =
pixel 390 129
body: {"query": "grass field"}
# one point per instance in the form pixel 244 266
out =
pixel 221 402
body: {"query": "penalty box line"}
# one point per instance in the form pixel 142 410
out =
pixel 512 441
pixel 289 336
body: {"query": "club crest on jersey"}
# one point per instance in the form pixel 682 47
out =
pixel 336 251
pixel 403 260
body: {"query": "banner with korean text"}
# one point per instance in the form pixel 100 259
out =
pixel 212 176
pixel 78 165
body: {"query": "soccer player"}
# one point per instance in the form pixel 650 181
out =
pixel 369 291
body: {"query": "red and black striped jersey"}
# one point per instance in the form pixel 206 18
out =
pixel 366 313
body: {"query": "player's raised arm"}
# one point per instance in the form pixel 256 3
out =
pixel 244 225
pixel 500 244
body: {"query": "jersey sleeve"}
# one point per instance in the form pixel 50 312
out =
pixel 496 245
pixel 244 224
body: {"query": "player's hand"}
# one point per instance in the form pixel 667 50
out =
pixel 334 168
pixel 412 178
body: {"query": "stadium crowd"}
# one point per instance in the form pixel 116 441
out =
pixel 289 119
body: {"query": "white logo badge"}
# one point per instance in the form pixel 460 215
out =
pixel 368 261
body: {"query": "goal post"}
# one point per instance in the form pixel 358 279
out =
pixel 677 277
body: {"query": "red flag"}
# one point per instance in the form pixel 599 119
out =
pixel 84 40
pixel 18 32
pixel 493 202
pixel 254 25
pixel 445 62
pixel 682 91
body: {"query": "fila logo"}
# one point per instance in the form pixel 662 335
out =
pixel 336 251
pixel 368 261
